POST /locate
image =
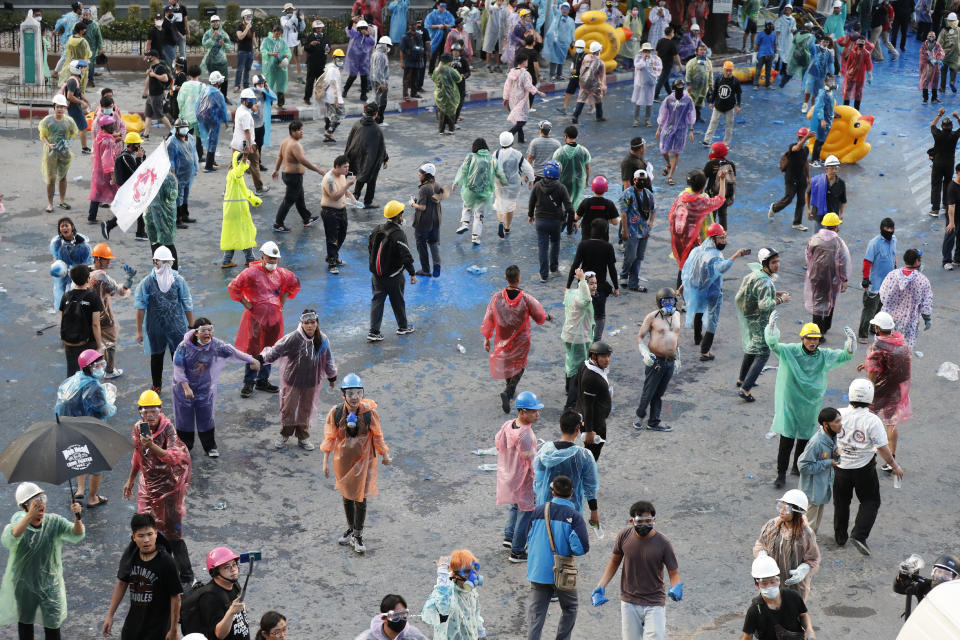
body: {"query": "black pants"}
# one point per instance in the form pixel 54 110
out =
pixel 784 76
pixel 446 121
pixel 182 558
pixel 409 81
pixel 462 90
pixel 573 390
pixel 156 368
pixel 871 305
pixel 817 146
pixel 663 81
pixel 705 340
pixel 783 455
pixel 73 353
pixel 899 28
pixel 599 314
pixel 142 230
pixel 824 322
pixel 940 177
pixel 207 439
pixel 655 381
pixel 865 483
pixel 380 97
pixel 579 109
pixel 436 53
pixel 943 78
pixel 384 287
pixel 370 180
pixel 517 131
pixel 156 245
pixel 356 513
pixel 292 196
pixel 511 384
pixel 25 631
pixel 418 87
pixel 926 95
pixel 313 72
pixel 364 85
pixel 335 228
pixel 923 28
pixel 793 187
pixel 951 241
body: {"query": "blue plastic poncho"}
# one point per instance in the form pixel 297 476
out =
pixel 165 319
pixel 83 395
pixel 559 37
pixel 211 113
pixel 183 160
pixel 32 591
pixel 462 608
pixel 72 253
pixel 801 383
pixel 574 462
pixel 702 284
pixel 821 63
pixel 200 366
pixel 264 115
pixel 398 19
pixel 437 18
pixel 66 22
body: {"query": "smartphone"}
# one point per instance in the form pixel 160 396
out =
pixel 145 429
pixel 747 252
pixel 250 556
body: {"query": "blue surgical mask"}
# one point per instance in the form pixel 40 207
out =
pixel 770 593
pixel 108 111
pixel 99 371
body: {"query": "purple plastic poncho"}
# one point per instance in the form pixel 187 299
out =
pixel 828 266
pixel 888 365
pixel 702 276
pixel 906 295
pixel 200 367
pixel 674 121
pixel 359 52
pixel 303 363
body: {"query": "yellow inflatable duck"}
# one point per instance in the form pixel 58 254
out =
pixel 596 29
pixel 846 139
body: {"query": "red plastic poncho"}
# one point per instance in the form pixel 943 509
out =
pixel 888 365
pixel 162 489
pixel 516 449
pixel 688 221
pixel 510 319
pixel 262 326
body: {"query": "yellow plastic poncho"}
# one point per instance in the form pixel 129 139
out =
pixel 237 231
pixel 55 162
pixel 77 48
pixel 32 591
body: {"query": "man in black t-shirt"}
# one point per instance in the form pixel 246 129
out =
pixel 221 610
pixel 951 242
pixel 177 14
pixel 593 208
pixel 796 175
pixel 246 45
pixel 531 56
pixel 80 310
pixel 669 55
pixel 157 81
pixel 634 161
pixel 147 569
pixel 942 158
pixel 774 607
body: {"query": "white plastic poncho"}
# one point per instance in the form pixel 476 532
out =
pixel 518 171
pixel 702 284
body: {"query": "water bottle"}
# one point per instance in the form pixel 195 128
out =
pixel 598 529
pixel 488 467
pixel 492 451
pixel 897 482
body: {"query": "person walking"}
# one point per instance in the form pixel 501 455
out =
pixel 507 319
pixel 951 239
pixel 823 113
pixel 332 98
pixel 291 165
pixel 690 215
pixel 446 93
pixel 103 187
pixel 352 436
pixel 879 260
pixel 244 137
pixel 801 383
pixel 698 72
pixel 724 102
pixel 789 540
pixel 756 299
pixel 476 177
pixel 931 57
pixel 887 366
pixel 361 45
pixel 717 158
pixel 315 47
pixel 819 67
pixel 516 89
pixel 596 207
pixel 639 212
pixel 674 125
pixel 303 357
pixel 907 296
pixel 334 193
pixel 541 149
pixel 861 439
pixel 573 84
pixel 549 208
pixel 68 248
pixel 160 218
pixel 796 176
pixel 80 310
pixel 647 68
pixel 56 132
pixel 367 153
pixel 237 231
pixel 516 445
pixel 578 325
pixel 828 271
pixel 518 172
pixel 389 256
pixel 817 463
pixel 785 26
pixel 426 220
pixel 184 163
pixel 276 55
pixel 574 160
pixel 827 192
pixel 661 358
pixel 211 115
pixel 564 458
pixel 596 254
pixel 942 159
pixel 380 76
pixel 774 611
pixel 801 52
pixel 592 82
pixel 594 401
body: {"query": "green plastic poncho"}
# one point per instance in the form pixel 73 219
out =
pixel 238 231
pixel 160 218
pixel 94 38
pixel 573 159
pixel 756 299
pixel 949 39
pixel 801 383
pixel 445 91
pixel 800 54
pixel 578 323
pixel 277 74
pixel 699 77
pixel 187 99
pixel 834 25
pixel 217 43
pixel 630 48
pixel 475 177
pixel 33 579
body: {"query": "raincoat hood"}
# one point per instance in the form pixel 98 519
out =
pixel 551 456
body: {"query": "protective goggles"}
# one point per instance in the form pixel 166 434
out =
pixel 42 497
pixel 149 411
pixel 768 582
pixel 396 615
pixel 309 317
pixel 942 574
pixel 206 329
pixel 589 274
pixel 642 520
pixel 353 394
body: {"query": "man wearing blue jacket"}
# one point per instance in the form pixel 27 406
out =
pixel 570 538
pixel 564 457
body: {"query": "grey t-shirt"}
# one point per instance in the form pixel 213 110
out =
pixel 542 150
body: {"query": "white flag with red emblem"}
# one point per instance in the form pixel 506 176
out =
pixel 136 194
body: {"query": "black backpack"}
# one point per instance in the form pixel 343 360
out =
pixel 338 414
pixel 75 326
pixel 190 619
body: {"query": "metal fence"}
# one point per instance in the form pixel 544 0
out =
pixel 24 106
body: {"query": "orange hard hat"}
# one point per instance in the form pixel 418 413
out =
pixel 102 250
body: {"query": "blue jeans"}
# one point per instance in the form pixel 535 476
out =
pixel 654 385
pixel 518 524
pixel 750 368
pixel 633 250
pixel 183 193
pixel 548 238
pixel 181 45
pixel 169 52
pixel 244 62
pixel 250 376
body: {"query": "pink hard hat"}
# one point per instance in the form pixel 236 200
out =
pixel 599 185
pixel 220 556
pixel 88 357
pixel 715 229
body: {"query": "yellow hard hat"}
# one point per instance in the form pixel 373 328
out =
pixel 809 330
pixel 132 138
pixel 523 12
pixel 392 209
pixel 149 398
pixel 338 53
pixel 831 220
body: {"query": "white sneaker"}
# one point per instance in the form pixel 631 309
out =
pixel 948 266
pixel 770 213
pixel 116 373
pixel 475 239
pixel 346 539
pixel 805 107
pixel 358 545
pixel 799 227
pixel 280 442
pixel 464 226
pixel 306 445
pixel 213 453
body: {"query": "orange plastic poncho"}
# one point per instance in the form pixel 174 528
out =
pixel 510 319
pixel 688 221
pixel 888 365
pixel 162 489
pixel 355 458
pixel 262 326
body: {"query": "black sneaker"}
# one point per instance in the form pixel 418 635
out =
pixel 780 481
pixel 281 228
pixel 105 230
pixel 517 558
pixel 311 221
pixel 374 337
pixel 425 274
pixel 247 390
pixel 659 427
pixel 141 238
pixel 408 329
pixel 500 230
pixel 507 543
pixel 264 385
pixel 505 402
pixel 861 546
pixel 346 539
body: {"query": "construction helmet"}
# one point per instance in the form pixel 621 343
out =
pixel 338 53
pixel 88 357
pixel 860 390
pixel 810 330
pixel 163 254
pixel 580 44
pixel 248 94
pixel 506 139
pixel 599 185
pixel 218 557
pixel 882 320
pixel 60 99
pixel 180 122
pixel 385 40
pixel 764 567
pixel 216 77
pixel 27 491
pixel 665 292
pixel 149 398
pixel 600 348
pixel 947 561
pixel 831 161
pixel 392 209
pixel 796 499
pixel 132 138
pixel 715 229
pixel 765 254
pixel 270 248
pixel 831 220
pixel 551 169
pixel 351 381
pixel 102 250
pixel 528 400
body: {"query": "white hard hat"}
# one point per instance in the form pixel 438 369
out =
pixel 163 253
pixel 385 40
pixel 76 67
pixel 506 139
pixel 694 27
pixel 257 79
pixel 951 17
pixel 595 47
pixel 317 24
pixel 837 4
pixel 429 169
pixel 60 99
pixel 214 18
pixel 883 320
pixel 764 567
pixel 194 636
pixel 788 6
pixel 797 499
pixel 271 249
pixel 831 161
pixel 861 390
pixel 639 173
pixel 26 491
pixel 580 44
pixel 248 94
pixel 362 24
pixel 246 12
pixel 216 77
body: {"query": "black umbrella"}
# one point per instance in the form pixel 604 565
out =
pixel 57 451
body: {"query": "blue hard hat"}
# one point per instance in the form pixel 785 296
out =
pixel 528 400
pixel 351 381
pixel 551 169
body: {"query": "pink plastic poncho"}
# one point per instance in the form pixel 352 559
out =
pixel 105 150
pixel 303 363
pixel 120 127
pixel 888 365
pixel 516 89
pixel 828 266
pixel 162 489
pixel 906 295
pixel 262 326
pixel 510 319
pixel 516 449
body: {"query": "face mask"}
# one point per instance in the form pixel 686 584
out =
pixel 269 266
pixel 86 21
pixel 99 371
pixel 579 49
pixel 668 307
pixel 721 245
pixel 886 233
pixel 678 93
pixel 635 12
pixel 339 63
pixel 158 23
pixel 165 276
pixel 397 625
pixel 770 593
pixel 108 112
pixel 183 131
pixel 643 530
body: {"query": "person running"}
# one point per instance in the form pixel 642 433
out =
pixel 674 125
pixel 906 295
pixel 352 436
pixel 756 299
pixel 388 257
pixel 661 357
pixel 516 90
pixel 828 269
pixel 477 176
pixel 303 356
pixel 788 539
pixel 516 445
pixel 426 220
pixel 796 176
pixel 292 162
pixel 56 132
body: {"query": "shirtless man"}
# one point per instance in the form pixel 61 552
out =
pixel 334 193
pixel 294 164
pixel 661 357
